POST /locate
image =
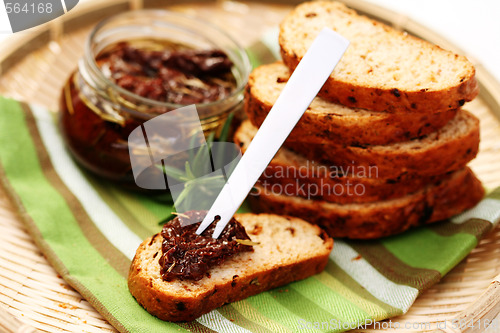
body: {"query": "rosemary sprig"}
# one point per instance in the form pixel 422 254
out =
pixel 196 167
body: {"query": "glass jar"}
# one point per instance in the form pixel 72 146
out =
pixel 97 115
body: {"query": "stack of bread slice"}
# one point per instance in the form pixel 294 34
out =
pixel 386 143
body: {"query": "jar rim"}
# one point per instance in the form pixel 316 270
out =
pixel 162 14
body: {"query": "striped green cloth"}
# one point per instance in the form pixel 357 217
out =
pixel 89 231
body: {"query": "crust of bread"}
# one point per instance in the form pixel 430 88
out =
pixel 330 123
pixel 293 174
pixel 440 152
pixel 350 86
pixel 239 277
pixel 435 202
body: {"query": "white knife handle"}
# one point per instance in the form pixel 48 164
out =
pixel 305 82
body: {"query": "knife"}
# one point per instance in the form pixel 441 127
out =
pixel 307 79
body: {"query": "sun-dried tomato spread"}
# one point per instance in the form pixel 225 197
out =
pixel 96 132
pixel 180 76
pixel 188 256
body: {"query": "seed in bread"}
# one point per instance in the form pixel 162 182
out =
pixel 276 261
pixel 435 202
pixel 331 123
pixel 383 69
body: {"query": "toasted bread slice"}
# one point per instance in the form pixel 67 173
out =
pixel 383 69
pixel 276 261
pixel 435 202
pixel 331 123
pixel 293 174
pixel 445 150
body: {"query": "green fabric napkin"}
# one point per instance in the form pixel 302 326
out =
pixel 89 231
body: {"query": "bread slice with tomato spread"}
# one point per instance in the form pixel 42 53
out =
pixel 285 249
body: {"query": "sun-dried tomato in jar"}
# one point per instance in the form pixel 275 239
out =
pixel 139 65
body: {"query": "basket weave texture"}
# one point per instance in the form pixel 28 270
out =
pixel 32 291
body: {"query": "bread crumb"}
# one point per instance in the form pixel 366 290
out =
pixel 67 306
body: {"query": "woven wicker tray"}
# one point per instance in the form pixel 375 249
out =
pixel 33 68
